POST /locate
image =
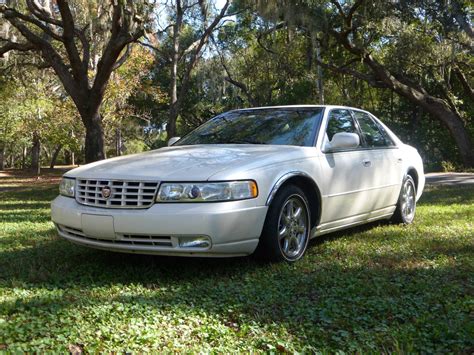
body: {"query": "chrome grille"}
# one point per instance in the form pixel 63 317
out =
pixel 124 194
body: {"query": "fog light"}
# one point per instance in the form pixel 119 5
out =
pixel 194 242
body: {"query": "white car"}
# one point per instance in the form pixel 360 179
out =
pixel 262 179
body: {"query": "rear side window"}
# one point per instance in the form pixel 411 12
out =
pixel 374 135
pixel 340 121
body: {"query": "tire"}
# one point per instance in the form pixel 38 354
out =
pixel 286 231
pixel 406 205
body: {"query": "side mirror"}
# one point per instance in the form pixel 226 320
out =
pixel 343 140
pixel 173 140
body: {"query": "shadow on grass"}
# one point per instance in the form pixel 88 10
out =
pixel 25 216
pixel 446 195
pixel 29 193
pixel 363 300
pixel 320 299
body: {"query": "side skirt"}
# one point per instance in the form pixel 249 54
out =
pixel 353 221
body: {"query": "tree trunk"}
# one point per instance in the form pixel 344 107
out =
pixel 46 152
pixel 174 109
pixel 55 156
pixel 94 144
pixel 36 154
pixel 23 157
pixel 437 107
pixel 118 142
pixel 12 161
pixel 67 157
pixel 456 127
pixel 320 81
pixel 171 125
pixel 2 156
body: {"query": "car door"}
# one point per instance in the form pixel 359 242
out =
pixel 385 160
pixel 347 175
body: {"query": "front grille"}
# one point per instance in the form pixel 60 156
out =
pixel 123 194
pixel 122 239
pixel 154 240
pixel 73 232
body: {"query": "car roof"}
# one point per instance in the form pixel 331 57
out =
pixel 298 106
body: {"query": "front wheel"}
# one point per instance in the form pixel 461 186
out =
pixel 286 231
pixel 406 206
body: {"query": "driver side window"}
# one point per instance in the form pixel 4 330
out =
pixel 340 120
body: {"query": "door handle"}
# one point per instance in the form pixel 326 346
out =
pixel 366 163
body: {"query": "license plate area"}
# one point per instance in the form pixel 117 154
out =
pixel 98 226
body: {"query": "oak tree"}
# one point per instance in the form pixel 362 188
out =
pixel 82 50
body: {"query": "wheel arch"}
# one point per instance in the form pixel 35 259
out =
pixel 308 185
pixel 414 174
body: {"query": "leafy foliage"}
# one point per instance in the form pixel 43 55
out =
pixel 274 53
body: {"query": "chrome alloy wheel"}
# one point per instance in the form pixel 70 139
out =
pixel 293 227
pixel 408 203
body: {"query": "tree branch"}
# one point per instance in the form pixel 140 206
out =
pixel 462 19
pixel 352 11
pixel 344 69
pixel 121 36
pixel 78 70
pixel 22 47
pixel 13 13
pixel 236 83
pixel 267 32
pixel 196 53
pixel 49 53
pixel 464 82
pixel 42 13
pixel 123 58
pixel 339 8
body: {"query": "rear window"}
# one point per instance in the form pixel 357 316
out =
pixel 374 134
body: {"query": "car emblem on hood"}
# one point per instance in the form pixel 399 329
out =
pixel 106 192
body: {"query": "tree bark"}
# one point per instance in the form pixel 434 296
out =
pixel 94 143
pixel 12 161
pixel 55 156
pixel 174 109
pixel 320 81
pixel 456 127
pixel 67 157
pixel 2 156
pixel 36 154
pixel 118 142
pixel 173 117
pixel 23 157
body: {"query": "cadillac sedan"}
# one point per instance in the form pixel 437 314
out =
pixel 263 180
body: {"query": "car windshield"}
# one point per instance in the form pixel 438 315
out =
pixel 289 126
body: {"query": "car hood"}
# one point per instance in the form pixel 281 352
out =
pixel 186 163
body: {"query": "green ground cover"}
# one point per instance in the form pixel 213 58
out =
pixel 379 288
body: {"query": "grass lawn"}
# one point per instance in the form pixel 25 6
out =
pixel 379 288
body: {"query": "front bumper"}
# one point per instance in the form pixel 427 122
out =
pixel 233 228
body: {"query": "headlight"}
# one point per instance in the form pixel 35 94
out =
pixel 207 192
pixel 66 187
